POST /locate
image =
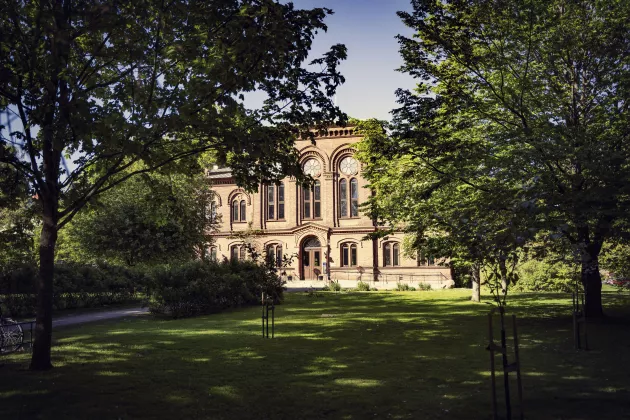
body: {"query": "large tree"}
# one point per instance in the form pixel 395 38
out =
pixel 108 84
pixel 151 218
pixel 534 92
pixel 443 214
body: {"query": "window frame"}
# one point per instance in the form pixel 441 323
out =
pixel 348 247
pixel 238 252
pixel 273 202
pixel 274 253
pixel 238 210
pixel 391 254
pixel 310 203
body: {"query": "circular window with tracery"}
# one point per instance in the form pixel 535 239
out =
pixel 312 167
pixel 349 166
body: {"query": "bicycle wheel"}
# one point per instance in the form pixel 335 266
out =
pixel 12 336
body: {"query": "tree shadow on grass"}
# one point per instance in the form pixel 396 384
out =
pixel 382 355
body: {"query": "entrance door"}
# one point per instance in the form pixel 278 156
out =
pixel 312 259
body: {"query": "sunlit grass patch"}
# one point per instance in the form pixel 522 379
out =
pixel 338 355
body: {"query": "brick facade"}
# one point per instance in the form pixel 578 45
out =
pixel 340 233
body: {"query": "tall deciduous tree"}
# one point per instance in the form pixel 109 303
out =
pixel 443 214
pixel 535 93
pixel 108 84
pixel 151 218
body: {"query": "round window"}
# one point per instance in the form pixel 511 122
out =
pixel 312 167
pixel 349 166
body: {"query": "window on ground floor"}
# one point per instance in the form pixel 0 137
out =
pixel 348 255
pixel 391 254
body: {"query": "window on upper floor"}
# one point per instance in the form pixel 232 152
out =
pixel 348 255
pixel 391 254
pixel 312 201
pixel 275 202
pixel 348 187
pixel 239 211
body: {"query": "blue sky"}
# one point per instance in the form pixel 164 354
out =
pixel 367 28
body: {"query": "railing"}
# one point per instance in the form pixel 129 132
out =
pixel 368 277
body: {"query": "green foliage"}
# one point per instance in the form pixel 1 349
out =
pixel 520 110
pixel 363 287
pixel 75 286
pixel 545 276
pixel 616 260
pixel 333 286
pixel 151 218
pixel 199 287
pixel 424 286
pixel 17 235
pixel 402 287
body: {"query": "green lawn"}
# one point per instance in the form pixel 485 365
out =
pixel 372 355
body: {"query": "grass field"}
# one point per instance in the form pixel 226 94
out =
pixel 372 355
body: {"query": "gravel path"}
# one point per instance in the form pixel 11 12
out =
pixel 98 316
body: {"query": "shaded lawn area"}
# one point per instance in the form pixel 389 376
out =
pixel 355 355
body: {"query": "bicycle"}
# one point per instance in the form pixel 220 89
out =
pixel 11 334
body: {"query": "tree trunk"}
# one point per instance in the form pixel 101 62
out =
pixel 592 282
pixel 476 283
pixel 504 280
pixel 43 326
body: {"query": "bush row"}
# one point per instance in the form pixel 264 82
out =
pixel 75 286
pixel 198 287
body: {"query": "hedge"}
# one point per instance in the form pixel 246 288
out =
pixel 74 286
pixel 199 287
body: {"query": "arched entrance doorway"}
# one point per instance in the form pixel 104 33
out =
pixel 311 259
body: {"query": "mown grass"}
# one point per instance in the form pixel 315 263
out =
pixel 416 355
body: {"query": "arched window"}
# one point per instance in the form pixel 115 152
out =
pixel 275 202
pixel 237 252
pixel 213 253
pixel 213 211
pixel 354 198
pixel 343 198
pixel 425 260
pixel 239 211
pixel 348 187
pixel 391 254
pixel 243 212
pixel 312 201
pixel 235 211
pixel 274 255
pixel 349 255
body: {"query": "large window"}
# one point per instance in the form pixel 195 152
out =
pixel 213 253
pixel 391 254
pixel 424 260
pixel 349 255
pixel 237 252
pixel 275 202
pixel 312 201
pixel 239 211
pixel 348 188
pixel 274 255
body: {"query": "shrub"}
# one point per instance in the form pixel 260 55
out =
pixel 412 289
pixel 334 286
pixel 402 287
pixel 424 286
pixel 199 287
pixel 535 276
pixel 363 287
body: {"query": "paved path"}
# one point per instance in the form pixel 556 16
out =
pixel 97 316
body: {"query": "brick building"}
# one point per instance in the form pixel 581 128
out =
pixel 321 227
